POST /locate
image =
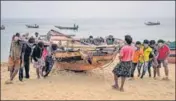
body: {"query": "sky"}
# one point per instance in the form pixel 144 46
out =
pixel 87 9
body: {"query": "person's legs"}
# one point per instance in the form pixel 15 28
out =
pixel 122 84
pixel 49 65
pixel 21 73
pixel 115 82
pixel 37 71
pixel 11 71
pixel 133 69
pixel 154 71
pixel 139 68
pixel 14 74
pixel 166 69
pixel 158 68
pixel 40 71
pixel 16 69
pixel 149 66
pixel 145 66
pixel 11 66
pixel 26 64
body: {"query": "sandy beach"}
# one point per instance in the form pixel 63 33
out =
pixel 92 85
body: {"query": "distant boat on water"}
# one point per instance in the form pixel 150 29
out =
pixel 75 27
pixel 32 26
pixel 152 23
pixel 2 27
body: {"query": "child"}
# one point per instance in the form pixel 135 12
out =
pixel 141 61
pixel 38 60
pixel 137 54
pixel 123 70
pixel 147 52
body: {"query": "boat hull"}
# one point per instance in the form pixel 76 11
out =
pixel 68 28
pixel 75 61
pixel 28 26
pixel 172 57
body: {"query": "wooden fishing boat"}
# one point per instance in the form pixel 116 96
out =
pixel 172 46
pixel 68 28
pixel 80 57
pixel 2 27
pixel 152 23
pixel 83 61
pixel 32 26
pixel 172 56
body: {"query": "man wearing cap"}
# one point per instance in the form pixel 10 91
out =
pixel 147 52
pixel 163 54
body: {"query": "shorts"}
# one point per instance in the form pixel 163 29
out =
pixel 164 62
pixel 14 63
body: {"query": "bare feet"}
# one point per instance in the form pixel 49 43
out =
pixel 165 78
pixel 38 77
pixel 131 78
pixel 115 86
pixel 8 82
pixel 121 89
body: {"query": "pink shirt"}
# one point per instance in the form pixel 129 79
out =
pixel 45 53
pixel 127 53
pixel 163 52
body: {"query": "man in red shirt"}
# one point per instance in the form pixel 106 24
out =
pixel 163 54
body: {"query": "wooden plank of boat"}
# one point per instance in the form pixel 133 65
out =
pixel 78 61
pixel 91 46
pixel 96 62
pixel 171 58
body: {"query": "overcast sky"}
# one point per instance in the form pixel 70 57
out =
pixel 86 9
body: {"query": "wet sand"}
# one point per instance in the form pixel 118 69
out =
pixel 93 85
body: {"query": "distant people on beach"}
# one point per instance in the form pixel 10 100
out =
pixel 110 40
pixel 123 68
pixel 37 38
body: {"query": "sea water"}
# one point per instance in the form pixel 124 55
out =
pixel 118 27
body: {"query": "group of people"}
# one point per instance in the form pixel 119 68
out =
pixel 23 50
pixel 99 40
pixel 143 55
